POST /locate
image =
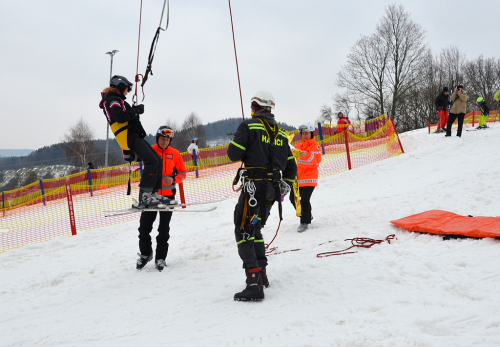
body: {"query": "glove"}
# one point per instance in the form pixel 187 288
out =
pixel 128 155
pixel 139 108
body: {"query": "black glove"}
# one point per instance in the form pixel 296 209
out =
pixel 139 108
pixel 128 155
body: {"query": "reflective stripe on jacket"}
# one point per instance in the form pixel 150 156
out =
pixel 308 164
pixel 173 166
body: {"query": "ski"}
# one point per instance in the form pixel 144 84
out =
pixel 168 209
pixel 166 206
pixel 476 129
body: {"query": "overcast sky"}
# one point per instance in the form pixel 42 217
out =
pixel 53 63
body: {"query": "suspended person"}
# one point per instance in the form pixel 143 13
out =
pixel 127 128
pixel 442 102
pixel 458 110
pixel 267 158
pixel 173 172
pixel 342 123
pixel 485 112
pixel 308 164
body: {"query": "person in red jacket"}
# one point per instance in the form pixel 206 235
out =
pixel 173 171
pixel 341 124
pixel 308 163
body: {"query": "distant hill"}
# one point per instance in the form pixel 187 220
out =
pixel 212 134
pixel 15 152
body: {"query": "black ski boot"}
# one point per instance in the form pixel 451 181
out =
pixel 265 280
pixel 160 264
pixel 143 260
pixel 254 290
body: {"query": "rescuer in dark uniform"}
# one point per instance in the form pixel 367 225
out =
pixel 263 148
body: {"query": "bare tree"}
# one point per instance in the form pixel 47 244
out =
pixel 405 40
pixel 78 144
pixel 172 124
pixel 325 114
pixel 482 78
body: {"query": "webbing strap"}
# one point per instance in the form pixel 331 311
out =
pixel 245 212
pixel 263 190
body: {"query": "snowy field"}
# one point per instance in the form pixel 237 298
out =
pixel 417 291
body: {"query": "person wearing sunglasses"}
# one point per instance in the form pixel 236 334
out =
pixel 126 126
pixel 308 163
pixel 173 172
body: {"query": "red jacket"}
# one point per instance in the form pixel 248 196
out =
pixel 173 166
pixel 341 128
pixel 308 164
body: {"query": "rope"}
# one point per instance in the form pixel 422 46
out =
pixel 236 57
pixel 356 242
pixel 134 97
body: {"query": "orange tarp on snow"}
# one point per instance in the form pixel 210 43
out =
pixel 447 223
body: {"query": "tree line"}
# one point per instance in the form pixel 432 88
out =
pixel 393 70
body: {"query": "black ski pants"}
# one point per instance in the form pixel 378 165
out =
pixel 451 119
pixel 152 171
pixel 145 227
pixel 250 242
pixel 305 203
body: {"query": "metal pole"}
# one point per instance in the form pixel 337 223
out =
pixel 111 54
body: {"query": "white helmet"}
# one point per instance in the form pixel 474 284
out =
pixel 307 127
pixel 264 99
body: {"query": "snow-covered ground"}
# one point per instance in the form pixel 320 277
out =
pixel 417 291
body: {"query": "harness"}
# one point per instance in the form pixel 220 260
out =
pixel 248 176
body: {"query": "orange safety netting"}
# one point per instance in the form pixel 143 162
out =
pixel 48 208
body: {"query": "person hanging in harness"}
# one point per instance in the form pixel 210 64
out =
pixel 268 163
pixel 127 128
pixel 485 112
pixel 174 171
pixel 310 157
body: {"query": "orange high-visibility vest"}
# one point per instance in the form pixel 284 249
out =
pixel 308 164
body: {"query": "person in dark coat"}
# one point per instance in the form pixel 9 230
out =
pixel 268 162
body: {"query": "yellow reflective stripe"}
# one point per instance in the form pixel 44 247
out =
pixel 250 239
pixel 239 146
pixel 256 128
pixel 292 157
pixel 288 180
pixel 259 240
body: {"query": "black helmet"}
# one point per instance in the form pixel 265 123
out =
pixel 164 131
pixel 121 83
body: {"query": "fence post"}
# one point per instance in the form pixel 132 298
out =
pixel 3 203
pixel 71 210
pixel 181 193
pixel 396 131
pixel 347 149
pixel 473 114
pixel 429 123
pixel 140 167
pixel 320 130
pixel 43 192
pixel 195 162
pixel 90 182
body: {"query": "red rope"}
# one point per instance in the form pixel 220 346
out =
pixel 357 242
pixel 236 57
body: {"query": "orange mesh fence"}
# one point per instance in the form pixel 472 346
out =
pixel 471 119
pixel 66 205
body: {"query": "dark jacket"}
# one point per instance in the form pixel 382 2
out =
pixel 251 145
pixel 442 102
pixel 485 110
pixel 122 118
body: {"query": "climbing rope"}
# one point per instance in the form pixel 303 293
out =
pixel 236 57
pixel 356 242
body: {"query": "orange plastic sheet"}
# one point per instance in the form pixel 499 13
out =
pixel 448 223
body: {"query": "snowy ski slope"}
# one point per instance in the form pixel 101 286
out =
pixel 417 291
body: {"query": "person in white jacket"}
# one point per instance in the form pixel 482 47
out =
pixel 193 145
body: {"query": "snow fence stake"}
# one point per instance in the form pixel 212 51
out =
pixel 429 123
pixel 195 162
pixel 140 167
pixel 473 114
pixel 3 203
pixel 402 150
pixel 43 192
pixel 90 182
pixel 320 130
pixel 71 210
pixel 181 193
pixel 347 149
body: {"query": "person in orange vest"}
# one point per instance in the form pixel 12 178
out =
pixel 308 163
pixel 341 124
pixel 173 171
